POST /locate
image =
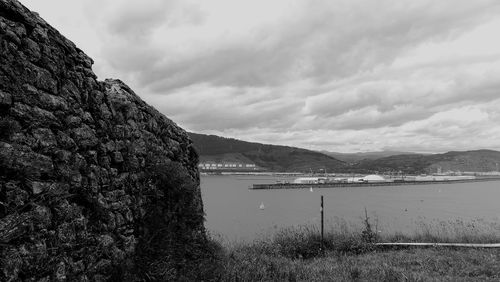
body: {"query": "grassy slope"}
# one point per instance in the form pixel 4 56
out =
pixel 431 264
pixel 479 160
pixel 294 254
pixel 283 158
pixel 272 157
pixel 357 157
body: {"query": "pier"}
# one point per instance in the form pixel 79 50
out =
pixel 363 184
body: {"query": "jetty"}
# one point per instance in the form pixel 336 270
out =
pixel 363 184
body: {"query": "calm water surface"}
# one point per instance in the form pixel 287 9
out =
pixel 232 210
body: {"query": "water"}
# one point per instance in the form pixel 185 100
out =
pixel 234 211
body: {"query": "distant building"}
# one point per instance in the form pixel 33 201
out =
pixel 310 180
pixel 442 177
pixel 225 165
pixel 373 178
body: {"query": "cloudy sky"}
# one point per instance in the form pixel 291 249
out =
pixel 337 75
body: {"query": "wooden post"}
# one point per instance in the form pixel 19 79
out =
pixel 322 223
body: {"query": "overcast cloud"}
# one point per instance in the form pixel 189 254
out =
pixel 337 75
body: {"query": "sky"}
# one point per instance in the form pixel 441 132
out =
pixel 335 75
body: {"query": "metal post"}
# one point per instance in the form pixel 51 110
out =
pixel 322 224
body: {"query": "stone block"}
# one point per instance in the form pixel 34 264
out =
pixel 62 156
pixel 34 115
pixel 71 91
pixel 105 161
pixel 40 34
pixel 105 112
pixel 32 164
pixel 117 157
pixel 44 80
pixel 38 187
pixel 53 102
pixel 32 49
pixel 42 217
pixel 45 138
pixel 133 162
pixel 106 241
pixel 65 141
pixel 76 179
pixel 73 121
pixel 91 157
pixel 12 37
pixel 5 99
pixel 84 136
pixel 87 118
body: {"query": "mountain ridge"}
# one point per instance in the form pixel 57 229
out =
pixel 358 156
pixel 270 157
pixel 286 158
pixel 481 160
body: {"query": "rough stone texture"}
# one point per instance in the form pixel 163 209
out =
pixel 76 157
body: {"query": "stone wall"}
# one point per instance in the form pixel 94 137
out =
pixel 78 159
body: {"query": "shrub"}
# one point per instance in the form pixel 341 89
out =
pixel 368 235
pixel 303 242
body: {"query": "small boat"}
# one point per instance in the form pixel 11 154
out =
pixel 311 189
pixel 262 206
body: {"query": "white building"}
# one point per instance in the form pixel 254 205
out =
pixel 210 165
pixel 310 180
pixel 373 178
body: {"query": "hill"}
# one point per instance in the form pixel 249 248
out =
pixel 284 158
pixel 356 157
pixel 477 161
pixel 270 157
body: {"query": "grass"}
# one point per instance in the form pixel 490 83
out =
pixel 456 231
pixel 349 254
pixel 394 265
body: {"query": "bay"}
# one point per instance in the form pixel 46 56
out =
pixel 234 212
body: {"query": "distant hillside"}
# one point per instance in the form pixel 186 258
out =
pixel 271 157
pixel 283 158
pixel 478 160
pixel 356 157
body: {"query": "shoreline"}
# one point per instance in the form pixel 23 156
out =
pixel 364 184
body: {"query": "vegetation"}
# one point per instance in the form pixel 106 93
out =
pixel 478 160
pixel 360 156
pixel 271 157
pixel 282 158
pixel 431 264
pixel 350 254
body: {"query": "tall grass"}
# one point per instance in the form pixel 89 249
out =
pixel 349 254
pixel 452 231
